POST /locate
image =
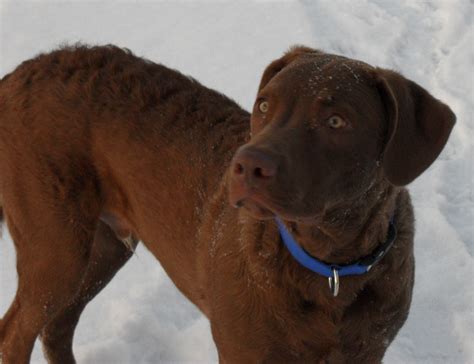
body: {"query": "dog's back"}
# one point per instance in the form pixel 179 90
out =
pixel 102 120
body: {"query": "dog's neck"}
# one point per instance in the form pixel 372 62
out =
pixel 347 233
pixel 349 230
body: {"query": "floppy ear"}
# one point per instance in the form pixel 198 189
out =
pixel 418 127
pixel 277 65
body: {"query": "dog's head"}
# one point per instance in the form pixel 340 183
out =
pixel 325 128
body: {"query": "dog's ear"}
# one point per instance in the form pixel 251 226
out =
pixel 418 127
pixel 277 65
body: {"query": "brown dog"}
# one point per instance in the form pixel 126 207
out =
pixel 99 147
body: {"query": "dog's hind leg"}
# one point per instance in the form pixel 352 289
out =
pixel 108 255
pixel 53 243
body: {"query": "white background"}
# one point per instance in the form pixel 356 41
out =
pixel 140 317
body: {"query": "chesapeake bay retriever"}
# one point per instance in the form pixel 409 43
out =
pixel 100 149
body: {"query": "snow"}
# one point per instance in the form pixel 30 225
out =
pixel 140 317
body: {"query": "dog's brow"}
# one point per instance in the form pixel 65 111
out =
pixel 325 97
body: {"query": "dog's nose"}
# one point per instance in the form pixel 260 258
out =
pixel 253 165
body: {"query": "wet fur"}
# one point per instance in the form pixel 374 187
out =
pixel 87 133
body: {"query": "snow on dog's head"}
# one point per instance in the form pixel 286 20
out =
pixel 326 129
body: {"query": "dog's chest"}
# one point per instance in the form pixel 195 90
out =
pixel 253 306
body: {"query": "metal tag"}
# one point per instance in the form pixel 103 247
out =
pixel 334 282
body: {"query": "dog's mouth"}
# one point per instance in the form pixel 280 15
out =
pixel 260 205
pixel 262 208
pixel 256 208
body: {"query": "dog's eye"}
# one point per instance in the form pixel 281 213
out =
pixel 263 106
pixel 336 122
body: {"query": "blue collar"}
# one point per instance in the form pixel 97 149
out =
pixel 334 271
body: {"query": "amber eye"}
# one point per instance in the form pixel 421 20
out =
pixel 263 106
pixel 336 122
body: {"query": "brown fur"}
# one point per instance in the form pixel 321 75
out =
pixel 99 146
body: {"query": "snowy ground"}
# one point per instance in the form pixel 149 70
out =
pixel 140 317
